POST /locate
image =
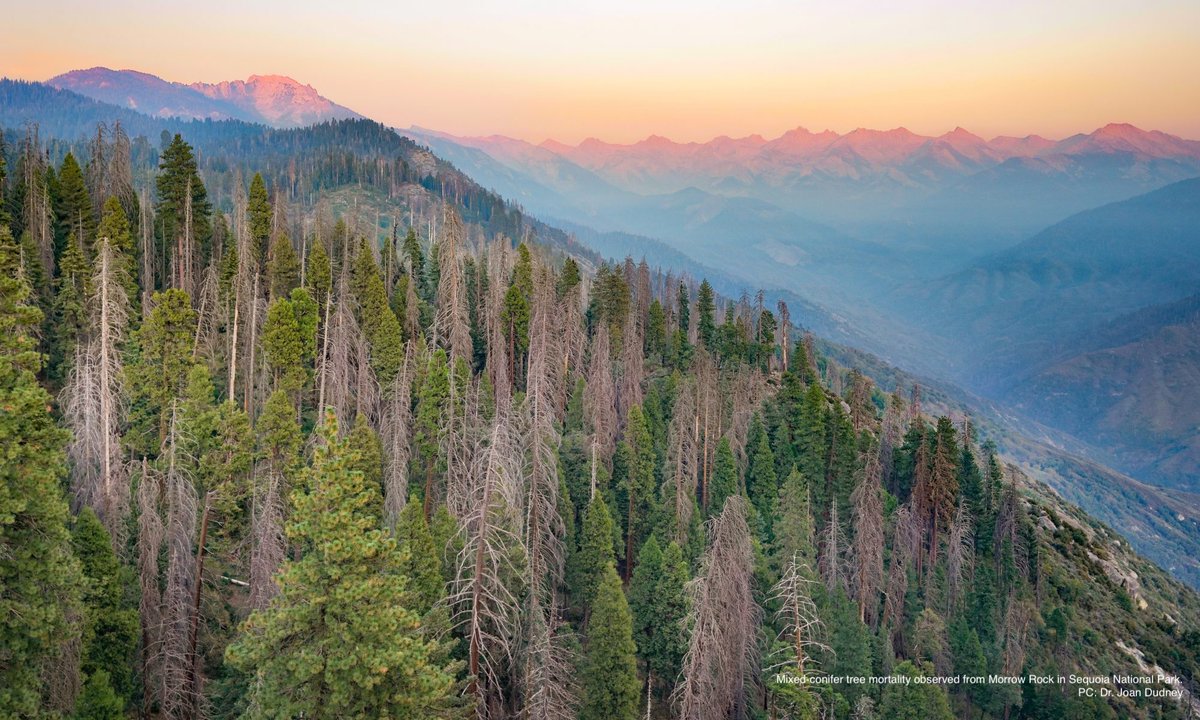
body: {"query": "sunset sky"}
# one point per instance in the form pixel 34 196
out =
pixel 687 69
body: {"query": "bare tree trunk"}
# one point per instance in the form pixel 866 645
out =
pixel 194 677
pixel 724 619
pixel 150 539
pixel 251 368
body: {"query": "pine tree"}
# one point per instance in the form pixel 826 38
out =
pixel 610 681
pixel 595 551
pixel 74 210
pixel 39 577
pixel 762 487
pixel 724 480
pixel 182 212
pixel 569 278
pixel 258 215
pixel 368 452
pixel 705 309
pixel 658 600
pixel 339 640
pixel 794 529
pixel 811 445
pixel 416 258
pixel 69 312
pixel 376 318
pixel 110 635
pixel 283 345
pixel 283 267
pixel 514 319
pixel 942 494
pixel 98 700
pixel 318 274
pixel 421 561
pixel 114 227
pixel 849 642
pixel 636 493
pixel 912 701
pixel 165 343
pixel 432 396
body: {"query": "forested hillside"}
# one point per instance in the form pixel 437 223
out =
pixel 266 460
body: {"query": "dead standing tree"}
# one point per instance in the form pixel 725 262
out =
pixel 600 398
pixel 93 400
pixel 149 545
pixel 396 434
pixel 959 556
pixel 451 325
pixel 723 651
pixel 483 606
pixel 867 550
pixel 546 666
pixel 801 626
pixel 682 459
pixel 181 694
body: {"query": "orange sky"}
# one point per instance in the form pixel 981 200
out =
pixel 689 70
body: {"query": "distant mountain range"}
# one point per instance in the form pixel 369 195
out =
pixel 867 175
pixel 274 100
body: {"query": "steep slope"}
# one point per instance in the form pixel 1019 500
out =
pixel 1079 273
pixel 1080 325
pixel 1135 387
pixel 273 100
pixel 1161 524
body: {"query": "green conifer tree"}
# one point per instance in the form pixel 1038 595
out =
pixel 376 318
pixel 595 551
pixel 340 640
pixel 318 274
pixel 724 480
pixel 762 486
pixel 283 267
pixel 432 396
pixel 706 309
pixel 258 215
pixel 610 681
pixel 69 312
pixel 636 493
pixel 368 453
pixel 421 562
pixel 416 258
pixel 658 599
pixel 39 576
pixel 111 627
pixel 74 209
pixel 159 373
pixel 97 700
pixel 114 225
pixel 178 173
pixel 912 701
pixel 283 345
pixel 794 529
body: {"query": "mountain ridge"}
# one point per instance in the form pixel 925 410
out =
pixel 275 100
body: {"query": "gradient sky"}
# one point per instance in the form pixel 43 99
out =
pixel 687 69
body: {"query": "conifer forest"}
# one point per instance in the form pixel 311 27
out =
pixel 308 424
